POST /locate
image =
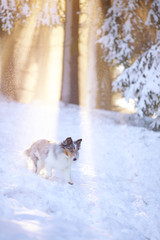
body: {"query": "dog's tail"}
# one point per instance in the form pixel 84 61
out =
pixel 31 162
pixel 27 152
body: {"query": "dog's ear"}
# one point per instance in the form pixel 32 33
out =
pixel 78 143
pixel 67 142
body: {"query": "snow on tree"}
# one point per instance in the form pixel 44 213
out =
pixel 153 18
pixel 131 30
pixel 12 11
pixel 122 32
pixel 141 82
pixel 49 14
pixel 8 12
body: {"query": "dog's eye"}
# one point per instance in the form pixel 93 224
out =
pixel 72 150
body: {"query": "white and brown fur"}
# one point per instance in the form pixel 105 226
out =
pixel 50 155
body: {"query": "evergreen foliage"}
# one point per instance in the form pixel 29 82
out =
pixel 48 13
pixel 130 35
pixel 141 82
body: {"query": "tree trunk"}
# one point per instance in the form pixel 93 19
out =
pixel 70 91
pixel 104 71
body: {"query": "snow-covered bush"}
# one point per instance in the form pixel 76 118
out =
pixel 141 82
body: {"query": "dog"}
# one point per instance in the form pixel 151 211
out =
pixel 48 155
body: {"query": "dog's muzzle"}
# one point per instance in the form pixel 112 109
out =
pixel 74 159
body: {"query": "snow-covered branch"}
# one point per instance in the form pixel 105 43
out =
pixel 141 82
pixel 48 15
pixel 126 32
pixel 153 18
pixel 8 12
pixel 11 12
pixel 119 31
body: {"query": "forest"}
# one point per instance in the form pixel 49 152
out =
pixel 85 52
pixel 87 71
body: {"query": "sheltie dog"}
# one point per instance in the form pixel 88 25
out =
pixel 49 155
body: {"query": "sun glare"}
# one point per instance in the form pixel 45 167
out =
pixel 35 54
pixel 35 58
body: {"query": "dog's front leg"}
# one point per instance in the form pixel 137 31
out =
pixel 67 175
pixel 38 166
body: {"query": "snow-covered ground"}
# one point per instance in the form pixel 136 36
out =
pixel 116 191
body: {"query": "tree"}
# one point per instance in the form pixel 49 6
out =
pixel 141 82
pixel 124 34
pixel 70 91
pixel 130 35
pixel 103 69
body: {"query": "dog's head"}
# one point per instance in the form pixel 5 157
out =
pixel 68 146
pixel 71 148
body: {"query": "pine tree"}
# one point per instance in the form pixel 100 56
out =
pixel 141 82
pixel 130 36
pixel 123 32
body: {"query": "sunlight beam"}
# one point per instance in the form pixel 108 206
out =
pixel 35 54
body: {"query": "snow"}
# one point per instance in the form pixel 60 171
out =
pixel 141 81
pixel 7 12
pixel 48 16
pixel 115 195
pixel 153 14
pixel 10 12
pixel 25 10
pixel 117 35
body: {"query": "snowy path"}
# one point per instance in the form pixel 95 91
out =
pixel 115 195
